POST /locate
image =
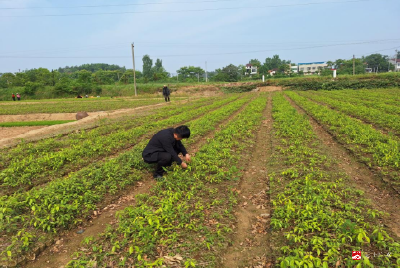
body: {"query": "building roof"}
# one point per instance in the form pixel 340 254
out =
pixel 309 63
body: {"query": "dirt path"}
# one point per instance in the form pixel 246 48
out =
pixel 270 89
pixel 7 132
pixel 115 99
pixel 59 254
pixel 361 177
pixel 87 122
pixel 40 117
pixel 251 243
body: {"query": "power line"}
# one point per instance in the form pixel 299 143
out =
pixel 191 45
pixel 184 55
pixel 188 10
pixel 120 5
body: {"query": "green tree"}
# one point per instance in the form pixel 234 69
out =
pixel 159 73
pixel 255 62
pixel 7 80
pixel 190 73
pixel 105 77
pixel 92 67
pixel 346 66
pixel 147 67
pixel 84 76
pixel 379 62
pixel 158 66
pixel 21 79
pixel 275 63
pixel 242 69
pixel 230 73
pixel 31 88
pixel 40 75
pixel 64 85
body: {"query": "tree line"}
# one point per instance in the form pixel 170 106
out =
pixel 88 78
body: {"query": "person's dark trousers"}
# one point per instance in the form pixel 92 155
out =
pixel 164 159
pixel 167 98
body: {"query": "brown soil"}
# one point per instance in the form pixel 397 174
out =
pixel 383 197
pixel 200 91
pixel 59 254
pixel 41 117
pixel 251 243
pixel 270 89
pixel 9 132
pixel 44 132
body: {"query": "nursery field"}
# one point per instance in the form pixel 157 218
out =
pixel 277 179
pixel 73 105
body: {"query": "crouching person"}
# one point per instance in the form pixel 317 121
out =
pixel 164 147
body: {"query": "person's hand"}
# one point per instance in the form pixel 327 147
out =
pixel 184 165
pixel 188 158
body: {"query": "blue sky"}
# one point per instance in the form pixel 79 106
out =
pixel 192 32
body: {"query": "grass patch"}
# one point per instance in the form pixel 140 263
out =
pixel 34 123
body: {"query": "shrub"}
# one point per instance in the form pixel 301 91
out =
pixel 31 88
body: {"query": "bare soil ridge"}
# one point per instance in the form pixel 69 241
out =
pixel 87 122
pixel 251 243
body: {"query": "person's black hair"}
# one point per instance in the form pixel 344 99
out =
pixel 183 132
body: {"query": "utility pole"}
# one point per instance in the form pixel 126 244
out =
pixel 134 72
pixel 206 73
pixel 354 65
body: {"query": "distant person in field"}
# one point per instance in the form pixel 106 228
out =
pixel 13 97
pixel 164 147
pixel 18 96
pixel 166 92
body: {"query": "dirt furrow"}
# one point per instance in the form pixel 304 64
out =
pixel 251 243
pixel 64 173
pixel 382 195
pixel 382 129
pixel 59 253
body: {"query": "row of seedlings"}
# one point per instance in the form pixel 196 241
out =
pixel 34 217
pixel 36 170
pixel 104 127
pixel 366 113
pixel 378 104
pixel 187 218
pixel 370 146
pixel 318 220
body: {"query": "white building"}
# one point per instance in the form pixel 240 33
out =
pixel 396 64
pixel 312 67
pixel 294 69
pixel 251 69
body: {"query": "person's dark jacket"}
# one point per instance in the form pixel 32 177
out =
pixel 165 91
pixel 164 141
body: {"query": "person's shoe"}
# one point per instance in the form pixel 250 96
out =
pixel 158 177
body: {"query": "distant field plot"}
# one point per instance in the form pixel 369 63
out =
pixel 34 123
pixel 74 106
pixel 277 179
